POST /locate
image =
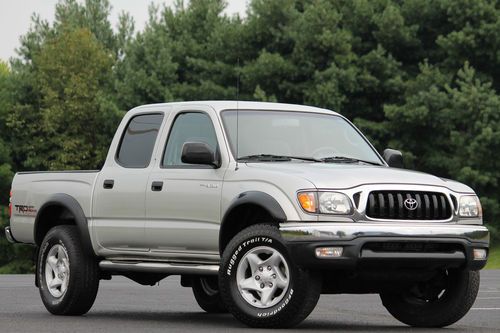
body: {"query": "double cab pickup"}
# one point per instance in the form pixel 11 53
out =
pixel 260 208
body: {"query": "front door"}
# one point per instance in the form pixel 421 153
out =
pixel 183 200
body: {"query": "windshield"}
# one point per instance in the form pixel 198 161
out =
pixel 298 134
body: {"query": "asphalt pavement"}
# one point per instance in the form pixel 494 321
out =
pixel 124 306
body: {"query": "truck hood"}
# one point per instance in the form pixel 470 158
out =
pixel 343 176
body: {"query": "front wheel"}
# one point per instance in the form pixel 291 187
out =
pixel 69 278
pixel 439 302
pixel 260 283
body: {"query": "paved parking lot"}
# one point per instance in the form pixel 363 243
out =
pixel 123 306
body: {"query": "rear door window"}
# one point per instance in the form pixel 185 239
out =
pixel 138 141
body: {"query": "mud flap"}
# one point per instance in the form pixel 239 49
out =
pixel 35 259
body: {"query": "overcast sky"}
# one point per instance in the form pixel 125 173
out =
pixel 15 17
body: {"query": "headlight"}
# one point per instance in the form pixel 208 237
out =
pixel 325 202
pixel 334 203
pixel 470 206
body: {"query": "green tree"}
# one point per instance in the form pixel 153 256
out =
pixel 90 14
pixel 184 53
pixel 15 257
pixel 422 76
pixel 450 125
pixel 63 83
pixel 72 73
pixel 395 67
pixel 6 173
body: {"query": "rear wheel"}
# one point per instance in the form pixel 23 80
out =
pixel 206 292
pixel 69 278
pixel 439 302
pixel 260 283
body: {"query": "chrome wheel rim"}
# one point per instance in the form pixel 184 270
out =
pixel 57 271
pixel 263 277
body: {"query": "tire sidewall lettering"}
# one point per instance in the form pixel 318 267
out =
pixel 242 246
pixel 281 306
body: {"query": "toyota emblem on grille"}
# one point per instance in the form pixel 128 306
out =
pixel 411 204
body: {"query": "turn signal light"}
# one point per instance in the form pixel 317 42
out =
pixel 308 201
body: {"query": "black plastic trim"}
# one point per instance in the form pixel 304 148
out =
pixel 70 203
pixel 354 257
pixel 258 198
pixel 262 199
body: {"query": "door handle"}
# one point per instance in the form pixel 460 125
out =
pixel 109 183
pixel 156 186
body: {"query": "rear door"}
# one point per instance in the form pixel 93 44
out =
pixel 183 210
pixel 118 204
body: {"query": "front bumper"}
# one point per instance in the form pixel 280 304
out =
pixel 432 245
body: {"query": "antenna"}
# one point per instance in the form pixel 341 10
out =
pixel 237 110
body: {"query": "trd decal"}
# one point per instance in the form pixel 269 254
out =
pixel 25 210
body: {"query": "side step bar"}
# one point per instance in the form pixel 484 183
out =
pixel 158 267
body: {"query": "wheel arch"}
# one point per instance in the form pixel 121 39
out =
pixel 62 209
pixel 257 206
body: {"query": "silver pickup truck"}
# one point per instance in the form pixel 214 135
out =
pixel 260 208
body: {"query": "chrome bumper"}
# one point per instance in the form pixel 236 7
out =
pixel 340 231
pixel 8 235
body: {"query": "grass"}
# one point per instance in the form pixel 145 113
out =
pixel 494 258
pixel 18 266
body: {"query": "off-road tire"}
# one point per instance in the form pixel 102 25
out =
pixel 207 295
pixel 83 273
pixel 459 296
pixel 298 301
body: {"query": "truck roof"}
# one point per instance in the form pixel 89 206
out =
pixel 241 105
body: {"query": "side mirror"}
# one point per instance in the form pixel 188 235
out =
pixel 393 157
pixel 199 153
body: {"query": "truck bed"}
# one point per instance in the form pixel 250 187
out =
pixel 32 189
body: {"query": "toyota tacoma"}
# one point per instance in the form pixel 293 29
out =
pixel 260 208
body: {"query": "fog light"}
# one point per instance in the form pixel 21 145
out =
pixel 479 254
pixel 329 252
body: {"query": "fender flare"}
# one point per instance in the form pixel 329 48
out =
pixel 72 205
pixel 258 198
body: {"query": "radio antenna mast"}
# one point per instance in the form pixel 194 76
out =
pixel 237 110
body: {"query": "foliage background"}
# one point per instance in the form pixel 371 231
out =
pixel 421 76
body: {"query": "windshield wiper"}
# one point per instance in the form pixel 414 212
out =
pixel 264 157
pixel 271 157
pixel 285 158
pixel 346 159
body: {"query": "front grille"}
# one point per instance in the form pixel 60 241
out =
pixel 391 205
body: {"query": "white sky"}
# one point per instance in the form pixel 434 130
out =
pixel 15 17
